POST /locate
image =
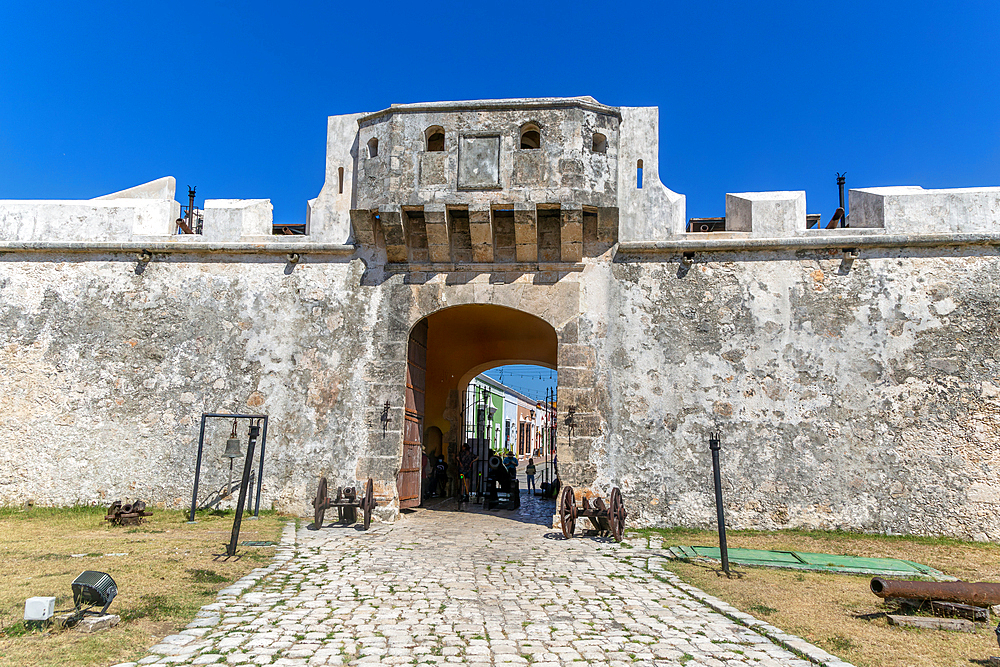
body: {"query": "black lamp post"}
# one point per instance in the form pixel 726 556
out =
pixel 715 445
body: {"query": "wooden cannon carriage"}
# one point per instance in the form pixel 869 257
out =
pixel 606 518
pixel 347 503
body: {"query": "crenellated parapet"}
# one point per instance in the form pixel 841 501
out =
pixel 515 182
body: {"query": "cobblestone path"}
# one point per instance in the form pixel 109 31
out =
pixel 471 588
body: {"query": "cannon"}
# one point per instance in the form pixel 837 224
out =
pixel 347 503
pixel 964 592
pixel 607 518
pixel 502 491
pixel 129 514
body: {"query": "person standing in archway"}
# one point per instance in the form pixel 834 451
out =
pixel 529 473
pixel 441 476
pixel 426 469
pixel 510 462
pixel 466 463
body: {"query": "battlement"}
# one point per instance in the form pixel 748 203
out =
pixel 497 181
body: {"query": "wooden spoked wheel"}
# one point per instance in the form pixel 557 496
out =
pixel 368 503
pixel 319 504
pixel 616 514
pixel 567 511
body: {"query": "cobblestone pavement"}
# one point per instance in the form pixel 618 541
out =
pixel 471 588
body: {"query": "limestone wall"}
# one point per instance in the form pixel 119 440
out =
pixel 850 394
pixel 859 395
pixel 106 371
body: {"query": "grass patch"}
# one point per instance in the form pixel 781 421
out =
pixel 166 576
pixel 838 612
pixel 761 610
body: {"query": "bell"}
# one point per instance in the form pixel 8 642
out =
pixel 233 449
pixel 233 446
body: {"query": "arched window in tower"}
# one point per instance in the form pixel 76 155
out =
pixel 531 137
pixel 340 172
pixel 435 139
pixel 600 144
pixel 638 174
pixel 373 147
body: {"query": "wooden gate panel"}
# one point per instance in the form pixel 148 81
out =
pixel 408 480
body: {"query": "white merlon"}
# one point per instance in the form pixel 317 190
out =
pixel 235 219
pixel 648 210
pixel 145 210
pixel 767 214
pixel 161 188
pixel 911 209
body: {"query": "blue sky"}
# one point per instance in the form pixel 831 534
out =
pixel 753 95
pixel 532 381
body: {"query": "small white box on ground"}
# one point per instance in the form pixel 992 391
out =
pixel 39 609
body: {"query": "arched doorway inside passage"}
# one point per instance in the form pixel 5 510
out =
pixel 445 350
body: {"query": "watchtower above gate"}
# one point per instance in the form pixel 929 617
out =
pixel 519 180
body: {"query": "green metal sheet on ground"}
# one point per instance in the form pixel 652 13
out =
pixel 803 560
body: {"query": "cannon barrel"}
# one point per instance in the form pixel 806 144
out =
pixel 500 472
pixel 963 592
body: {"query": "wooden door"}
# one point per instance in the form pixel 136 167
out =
pixel 408 480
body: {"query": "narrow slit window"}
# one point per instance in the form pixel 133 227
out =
pixel 638 174
pixel 600 144
pixel 531 137
pixel 340 171
pixel 373 147
pixel 435 139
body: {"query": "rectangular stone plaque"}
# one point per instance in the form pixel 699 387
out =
pixel 478 162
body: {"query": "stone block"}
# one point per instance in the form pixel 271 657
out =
pixel 233 219
pixel 913 210
pixel 586 424
pixel 433 169
pixel 581 399
pixel 391 221
pixel 481 233
pixel 571 233
pixel 932 623
pixel 576 377
pixel 438 239
pixel 607 224
pixel 478 162
pixel 526 232
pixel 83 221
pixel 576 355
pixel 97 623
pixel 161 188
pixel 529 167
pixel 767 214
pixel 363 226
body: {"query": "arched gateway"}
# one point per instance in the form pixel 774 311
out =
pixel 852 371
pixel 444 351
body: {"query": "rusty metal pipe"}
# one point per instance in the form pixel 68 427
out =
pixel 979 594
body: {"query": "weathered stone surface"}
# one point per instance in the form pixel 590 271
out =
pixel 503 592
pixel 914 210
pixel 97 623
pixel 766 214
pixel 932 623
pixel 852 392
pixel 235 219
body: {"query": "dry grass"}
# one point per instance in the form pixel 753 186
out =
pixel 838 612
pixel 167 574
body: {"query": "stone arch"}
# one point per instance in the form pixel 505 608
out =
pixel 461 341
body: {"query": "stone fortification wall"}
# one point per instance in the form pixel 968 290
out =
pixel 850 394
pixel 854 373
pixel 106 371
pixel 860 395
